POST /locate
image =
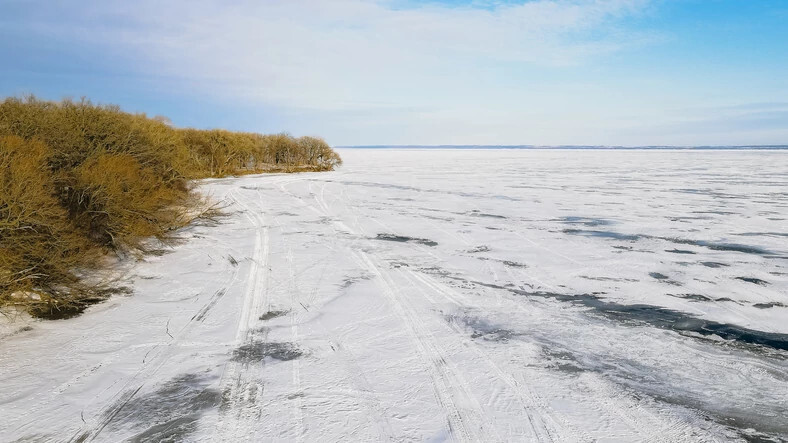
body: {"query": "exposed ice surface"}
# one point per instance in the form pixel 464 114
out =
pixel 430 295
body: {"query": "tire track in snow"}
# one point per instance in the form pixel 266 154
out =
pixel 546 421
pixel 464 425
pixel 240 392
pixel 537 412
pixel 298 402
pixel 149 367
pixel 443 379
pixel 356 378
pixel 644 423
pixel 533 410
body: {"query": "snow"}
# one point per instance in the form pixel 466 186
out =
pixel 430 295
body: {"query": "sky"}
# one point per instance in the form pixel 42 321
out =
pixel 403 72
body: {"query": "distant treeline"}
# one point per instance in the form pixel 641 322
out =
pixel 80 180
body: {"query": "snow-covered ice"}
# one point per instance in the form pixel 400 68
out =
pixel 430 295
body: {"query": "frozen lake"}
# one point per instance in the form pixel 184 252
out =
pixel 430 295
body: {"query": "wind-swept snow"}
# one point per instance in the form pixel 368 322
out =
pixel 458 295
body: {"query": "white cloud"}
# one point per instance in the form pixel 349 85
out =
pixel 352 54
pixel 387 71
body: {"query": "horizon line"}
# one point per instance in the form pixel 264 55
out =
pixel 610 147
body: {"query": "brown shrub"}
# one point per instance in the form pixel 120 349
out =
pixel 118 202
pixel 217 153
pixel 39 247
pixel 80 178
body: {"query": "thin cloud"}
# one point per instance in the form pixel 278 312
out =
pixel 334 55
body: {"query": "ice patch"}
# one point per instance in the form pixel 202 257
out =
pixel 405 239
pixel 258 351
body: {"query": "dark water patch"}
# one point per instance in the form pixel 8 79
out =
pixel 733 247
pixel 695 297
pixel 168 414
pixel 258 351
pixel 679 251
pixel 352 280
pixel 491 228
pixel 623 248
pixel 664 278
pixel 769 305
pixel 747 425
pixel 764 234
pixel 714 264
pixel 641 379
pixel 405 239
pixel 685 323
pixel 602 234
pixel 684 219
pixel 753 280
pixel 750 435
pixel 482 328
pixel 272 314
pixel 659 317
pixel 585 221
pixel 563 361
pixel 730 247
pixel 477 213
pixel 721 299
pixel 664 318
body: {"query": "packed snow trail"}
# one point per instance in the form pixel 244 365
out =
pixel 440 296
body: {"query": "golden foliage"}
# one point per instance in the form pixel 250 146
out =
pixel 39 247
pixel 118 202
pixel 79 178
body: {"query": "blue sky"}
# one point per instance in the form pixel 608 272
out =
pixel 612 72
